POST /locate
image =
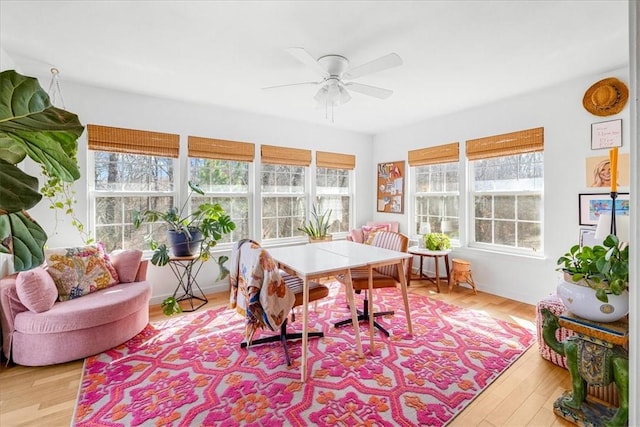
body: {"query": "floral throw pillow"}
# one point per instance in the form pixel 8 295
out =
pixel 78 271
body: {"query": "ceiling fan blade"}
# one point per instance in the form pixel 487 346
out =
pixel 303 56
pixel 376 92
pixel 383 63
pixel 292 84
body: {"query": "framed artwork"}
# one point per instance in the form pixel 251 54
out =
pixel 390 191
pixel 588 237
pixel 599 171
pixel 606 134
pixel 591 205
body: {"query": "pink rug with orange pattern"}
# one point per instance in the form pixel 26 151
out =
pixel 190 370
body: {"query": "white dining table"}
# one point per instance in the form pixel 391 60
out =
pixel 318 260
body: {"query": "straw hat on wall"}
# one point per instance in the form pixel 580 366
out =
pixel 606 97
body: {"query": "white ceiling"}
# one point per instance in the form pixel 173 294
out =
pixel 457 54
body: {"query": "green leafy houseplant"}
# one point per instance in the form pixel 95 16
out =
pixel 437 241
pixel 603 268
pixel 318 226
pixel 208 223
pixel 31 126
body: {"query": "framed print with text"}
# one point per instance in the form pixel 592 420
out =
pixel 606 134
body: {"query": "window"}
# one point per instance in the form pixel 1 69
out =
pixel 506 191
pixel 125 180
pixel 437 198
pixel 333 188
pixel 283 200
pixel 437 193
pixel 227 183
pixel 223 169
pixel 283 190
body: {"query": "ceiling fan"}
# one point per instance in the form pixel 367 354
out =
pixel 335 72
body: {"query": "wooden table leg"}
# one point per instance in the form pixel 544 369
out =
pixel 354 313
pixel 371 316
pixel 405 296
pixel 446 266
pixel 305 332
pixel 437 273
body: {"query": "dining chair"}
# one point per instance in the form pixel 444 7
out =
pixel 383 277
pixel 266 295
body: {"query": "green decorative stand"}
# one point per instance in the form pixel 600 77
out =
pixel 595 356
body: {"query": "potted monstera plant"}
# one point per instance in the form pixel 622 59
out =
pixel 595 281
pixel 188 232
pixel 30 126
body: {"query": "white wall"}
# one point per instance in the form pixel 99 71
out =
pixel 567 138
pixel 6 62
pixel 112 108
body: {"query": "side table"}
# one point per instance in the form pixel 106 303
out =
pixel 596 357
pixel 422 252
pixel 184 270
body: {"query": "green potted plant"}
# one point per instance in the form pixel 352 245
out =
pixel 317 228
pixel 603 271
pixel 437 241
pixel 188 234
pixel 31 126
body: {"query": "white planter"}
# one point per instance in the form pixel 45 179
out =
pixel 581 300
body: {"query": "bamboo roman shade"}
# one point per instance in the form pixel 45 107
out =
pixel 220 149
pixel 335 160
pixel 120 140
pixel 433 155
pixel 508 144
pixel 285 156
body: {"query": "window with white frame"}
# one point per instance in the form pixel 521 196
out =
pixel 283 178
pixel 226 183
pixel 436 193
pixel 334 188
pixel 125 180
pixel 437 199
pixel 223 170
pixel 507 191
pixel 283 200
pixel 332 194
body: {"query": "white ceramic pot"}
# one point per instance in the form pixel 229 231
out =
pixel 581 300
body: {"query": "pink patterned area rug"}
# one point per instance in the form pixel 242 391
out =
pixel 190 370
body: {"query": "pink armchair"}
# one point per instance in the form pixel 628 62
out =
pixel 360 235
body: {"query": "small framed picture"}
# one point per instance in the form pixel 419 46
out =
pixel 591 206
pixel 606 134
pixel 588 237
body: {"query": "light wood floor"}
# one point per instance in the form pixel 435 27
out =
pixel 522 396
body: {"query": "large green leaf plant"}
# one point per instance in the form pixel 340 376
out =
pixel 30 126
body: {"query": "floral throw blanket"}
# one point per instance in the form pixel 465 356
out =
pixel 257 289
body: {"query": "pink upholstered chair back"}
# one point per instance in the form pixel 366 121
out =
pixel 393 241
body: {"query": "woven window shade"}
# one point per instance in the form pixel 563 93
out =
pixel 120 140
pixel 446 153
pixel 274 155
pixel 508 144
pixel 220 149
pixel 335 160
